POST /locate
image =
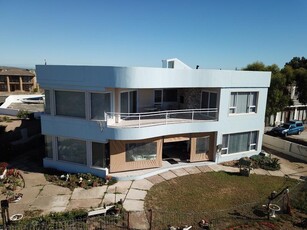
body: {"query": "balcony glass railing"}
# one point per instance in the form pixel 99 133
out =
pixel 138 120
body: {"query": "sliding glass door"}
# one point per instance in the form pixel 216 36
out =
pixel 128 102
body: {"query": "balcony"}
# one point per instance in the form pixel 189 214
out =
pixel 166 117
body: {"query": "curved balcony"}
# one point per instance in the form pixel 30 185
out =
pixel 147 119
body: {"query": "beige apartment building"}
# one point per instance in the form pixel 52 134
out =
pixel 17 80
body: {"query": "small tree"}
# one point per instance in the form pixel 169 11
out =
pixel 278 95
pixel 296 70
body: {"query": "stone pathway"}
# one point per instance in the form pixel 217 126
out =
pixel 39 194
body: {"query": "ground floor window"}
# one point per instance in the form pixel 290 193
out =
pixel 202 145
pixel 239 142
pixel 99 155
pixel 72 150
pixel 141 151
pixel 48 147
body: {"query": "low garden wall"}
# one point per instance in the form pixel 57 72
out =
pixel 10 112
pixel 286 147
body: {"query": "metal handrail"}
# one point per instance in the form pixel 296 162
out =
pixel 160 117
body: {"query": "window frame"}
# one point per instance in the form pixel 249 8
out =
pixel 90 104
pixel 130 97
pixel 209 98
pixel 69 91
pixel 60 139
pixel 251 106
pixel 252 146
pixel 131 148
pixel 206 140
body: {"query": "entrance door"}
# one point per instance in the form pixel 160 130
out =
pixel 175 152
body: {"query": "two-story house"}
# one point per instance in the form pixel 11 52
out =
pixel 103 119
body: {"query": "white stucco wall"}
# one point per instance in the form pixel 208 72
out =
pixel 98 77
pixel 145 80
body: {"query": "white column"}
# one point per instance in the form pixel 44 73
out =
pixel 295 114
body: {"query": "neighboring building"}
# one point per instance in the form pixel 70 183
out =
pixel 297 111
pixel 17 80
pixel 114 119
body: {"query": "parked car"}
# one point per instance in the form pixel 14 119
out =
pixel 292 127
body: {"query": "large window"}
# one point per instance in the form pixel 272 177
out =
pixel 100 103
pixel 239 142
pixel 99 155
pixel 141 151
pixel 47 101
pixel 158 96
pixel 202 145
pixel 72 150
pixel 48 147
pixel 243 102
pixel 169 95
pixel 70 103
pixel 208 100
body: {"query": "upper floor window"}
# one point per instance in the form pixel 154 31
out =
pixel 169 95
pixel 47 101
pixel 165 95
pixel 14 79
pixel 26 79
pixel 70 103
pixel 243 102
pixel 100 103
pixel 171 64
pixel 208 100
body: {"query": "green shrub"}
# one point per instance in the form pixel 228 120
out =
pixel 48 220
pixel 265 162
pixel 23 114
pixel 6 119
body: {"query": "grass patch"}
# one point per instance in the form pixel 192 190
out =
pixel 212 191
pixel 189 199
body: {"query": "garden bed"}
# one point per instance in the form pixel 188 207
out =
pixel 72 181
pixel 257 161
pixel 11 183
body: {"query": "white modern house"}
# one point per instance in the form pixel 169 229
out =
pixel 102 119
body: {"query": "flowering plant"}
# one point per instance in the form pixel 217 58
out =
pixel 13 172
pixel 3 166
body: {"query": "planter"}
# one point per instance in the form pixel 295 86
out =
pixel 3 174
pixel 16 217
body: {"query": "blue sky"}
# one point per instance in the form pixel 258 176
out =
pixel 225 34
